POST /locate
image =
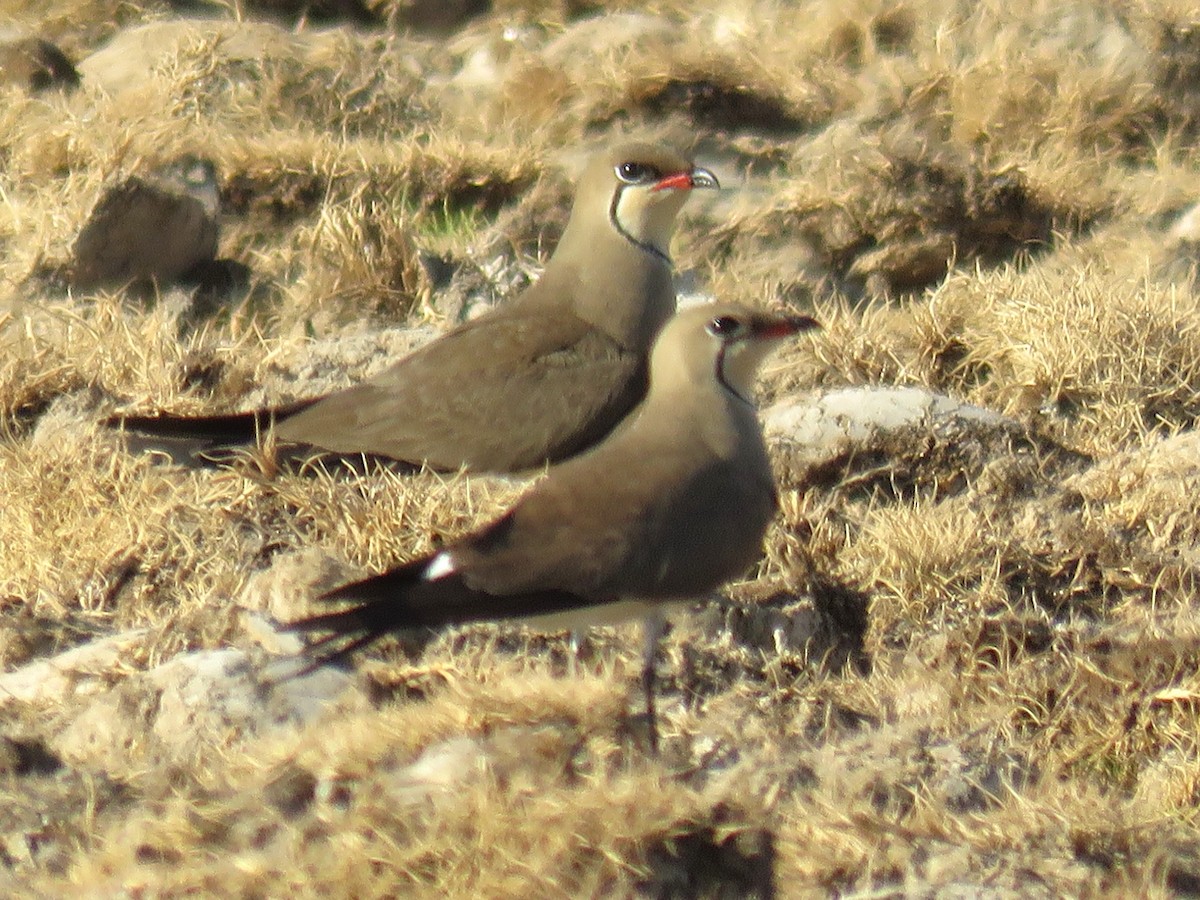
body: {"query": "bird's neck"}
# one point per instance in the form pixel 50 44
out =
pixel 654 240
pixel 711 416
pixel 623 290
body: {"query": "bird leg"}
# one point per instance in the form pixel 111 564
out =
pixel 576 648
pixel 652 631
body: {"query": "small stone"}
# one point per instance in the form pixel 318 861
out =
pixel 36 65
pixel 209 700
pixel 155 227
pixel 82 670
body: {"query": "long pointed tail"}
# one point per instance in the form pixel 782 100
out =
pixel 229 428
pixel 379 607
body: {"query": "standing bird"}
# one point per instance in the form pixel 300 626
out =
pixel 541 378
pixel 673 504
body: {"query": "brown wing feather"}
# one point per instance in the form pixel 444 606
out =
pixel 561 550
pixel 679 525
pixel 559 385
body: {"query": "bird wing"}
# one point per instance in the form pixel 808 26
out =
pixel 551 561
pixel 583 541
pixel 504 393
pixel 675 529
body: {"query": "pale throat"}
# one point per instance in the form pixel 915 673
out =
pixel 737 371
pixel 647 226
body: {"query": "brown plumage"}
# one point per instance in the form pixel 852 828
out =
pixel 669 507
pixel 541 378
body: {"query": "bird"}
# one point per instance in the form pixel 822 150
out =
pixel 669 507
pixel 153 227
pixel 536 380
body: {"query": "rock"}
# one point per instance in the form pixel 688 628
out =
pixel 856 415
pixel 1186 227
pixel 556 82
pixel 903 442
pixel 77 672
pixel 445 769
pixel 257 72
pixel 155 227
pixel 441 768
pixel 36 65
pixel 284 590
pixel 878 427
pixel 269 635
pixel 125 63
pixel 208 700
pixel 331 363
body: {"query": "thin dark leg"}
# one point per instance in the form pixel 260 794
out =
pixel 652 630
pixel 579 637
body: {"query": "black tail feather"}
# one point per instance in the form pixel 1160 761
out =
pixel 379 610
pixel 403 601
pixel 388 585
pixel 344 621
pixel 227 428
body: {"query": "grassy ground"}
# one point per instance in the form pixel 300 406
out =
pixel 986 199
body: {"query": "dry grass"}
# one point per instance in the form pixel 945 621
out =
pixel 978 198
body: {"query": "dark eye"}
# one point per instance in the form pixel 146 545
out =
pixel 724 326
pixel 637 173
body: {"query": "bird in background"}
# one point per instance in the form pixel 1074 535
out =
pixel 669 507
pixel 536 380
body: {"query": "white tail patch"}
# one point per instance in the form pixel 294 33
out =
pixel 439 567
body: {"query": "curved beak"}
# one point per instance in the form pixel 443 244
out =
pixel 703 178
pixel 696 178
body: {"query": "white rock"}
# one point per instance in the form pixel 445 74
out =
pixel 440 768
pixel 855 415
pixel 269 635
pixel 79 671
pixel 209 699
pixel 286 587
pixel 1187 226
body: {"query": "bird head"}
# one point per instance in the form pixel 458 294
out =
pixel 639 189
pixel 725 341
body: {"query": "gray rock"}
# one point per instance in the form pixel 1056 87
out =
pixel 892 437
pixel 209 700
pixel 285 588
pixel 78 672
pixel 157 226
pixel 857 415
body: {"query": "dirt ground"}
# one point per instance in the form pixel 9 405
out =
pixel 966 665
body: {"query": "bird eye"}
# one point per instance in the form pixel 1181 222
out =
pixel 724 326
pixel 637 173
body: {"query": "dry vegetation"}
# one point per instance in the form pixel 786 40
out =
pixel 988 199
